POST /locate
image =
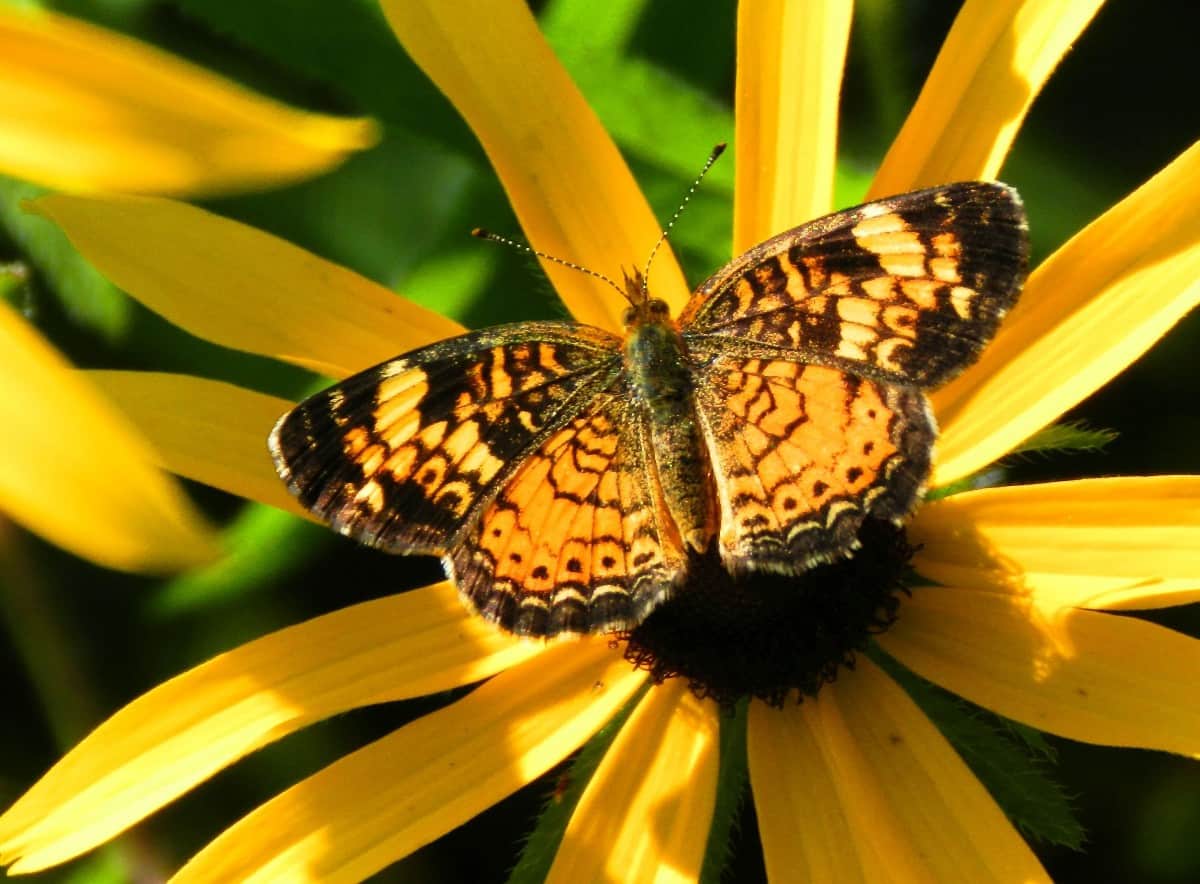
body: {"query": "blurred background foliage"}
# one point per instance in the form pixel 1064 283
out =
pixel 81 641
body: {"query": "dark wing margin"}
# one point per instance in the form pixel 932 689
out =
pixel 405 455
pixel 577 541
pixel 904 290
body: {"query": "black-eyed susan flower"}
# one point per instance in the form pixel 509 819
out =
pixel 856 784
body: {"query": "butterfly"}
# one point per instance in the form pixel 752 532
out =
pixel 567 475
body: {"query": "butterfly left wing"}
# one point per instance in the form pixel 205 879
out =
pixel 804 454
pixel 404 456
pixel 578 540
pixel 905 290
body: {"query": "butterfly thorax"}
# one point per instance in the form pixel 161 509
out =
pixel 661 378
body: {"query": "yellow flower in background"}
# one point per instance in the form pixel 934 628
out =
pixel 1018 623
pixel 85 109
pixel 74 470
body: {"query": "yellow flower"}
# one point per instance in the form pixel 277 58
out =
pixel 86 109
pixel 75 471
pixel 1027 574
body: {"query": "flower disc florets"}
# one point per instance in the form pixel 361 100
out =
pixel 769 636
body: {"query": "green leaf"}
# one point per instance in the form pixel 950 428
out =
pixel 1072 436
pixel 542 844
pixel 1012 764
pixel 381 213
pixel 733 774
pixel 264 544
pixel 634 96
pixel 14 286
pixel 349 48
pixel 115 863
pixel 1069 437
pixel 1035 741
pixel 979 479
pixel 87 298
pixel 880 35
pixel 581 29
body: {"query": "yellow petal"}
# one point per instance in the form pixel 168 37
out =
pixel 1129 542
pixel 75 471
pixel 240 287
pixel 1086 675
pixel 882 795
pixel 793 779
pixel 87 109
pixel 1088 311
pixel 187 729
pixel 993 64
pixel 568 184
pixel 789 79
pixel 646 812
pixel 384 801
pixel 206 430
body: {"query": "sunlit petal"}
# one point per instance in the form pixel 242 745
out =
pixel 792 779
pixel 882 795
pixel 1090 676
pixel 789 79
pixel 185 730
pixel 240 287
pixel 993 64
pixel 568 184
pixel 75 471
pixel 646 812
pixel 1088 311
pixel 386 800
pixel 219 438
pixel 87 109
pixel 1128 542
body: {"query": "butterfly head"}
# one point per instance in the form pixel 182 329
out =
pixel 642 308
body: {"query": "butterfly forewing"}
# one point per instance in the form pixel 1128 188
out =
pixel 405 455
pixel 906 290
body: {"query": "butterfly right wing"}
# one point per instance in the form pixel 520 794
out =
pixel 905 290
pixel 406 455
pixel 805 453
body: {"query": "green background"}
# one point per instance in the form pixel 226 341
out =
pixel 82 641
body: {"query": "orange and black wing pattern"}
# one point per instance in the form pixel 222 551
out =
pixel 407 455
pixel 905 290
pixel 816 346
pixel 577 540
pixel 533 457
pixel 803 454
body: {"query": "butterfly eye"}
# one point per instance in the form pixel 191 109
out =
pixel 658 310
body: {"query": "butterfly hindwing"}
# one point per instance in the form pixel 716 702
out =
pixel 405 455
pixel 905 290
pixel 577 540
pixel 806 452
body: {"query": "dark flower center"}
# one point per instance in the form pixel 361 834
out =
pixel 769 636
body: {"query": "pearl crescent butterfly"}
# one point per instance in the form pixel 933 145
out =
pixel 567 475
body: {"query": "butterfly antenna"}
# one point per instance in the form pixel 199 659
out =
pixel 480 233
pixel 708 164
